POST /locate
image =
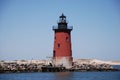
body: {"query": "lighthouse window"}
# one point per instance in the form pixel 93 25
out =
pixel 55 38
pixel 67 39
pixel 58 45
pixel 54 53
pixel 71 53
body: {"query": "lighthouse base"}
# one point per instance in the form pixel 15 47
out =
pixel 63 61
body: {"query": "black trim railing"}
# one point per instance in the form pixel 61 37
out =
pixel 68 27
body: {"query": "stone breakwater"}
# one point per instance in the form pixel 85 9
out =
pixel 92 67
pixel 36 66
pixel 21 66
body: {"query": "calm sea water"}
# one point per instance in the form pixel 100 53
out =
pixel 62 76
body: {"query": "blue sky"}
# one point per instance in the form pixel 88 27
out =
pixel 26 28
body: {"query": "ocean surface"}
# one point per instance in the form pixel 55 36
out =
pixel 62 76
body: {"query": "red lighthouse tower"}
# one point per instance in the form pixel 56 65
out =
pixel 62 52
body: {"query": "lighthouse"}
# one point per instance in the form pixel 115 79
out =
pixel 62 51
